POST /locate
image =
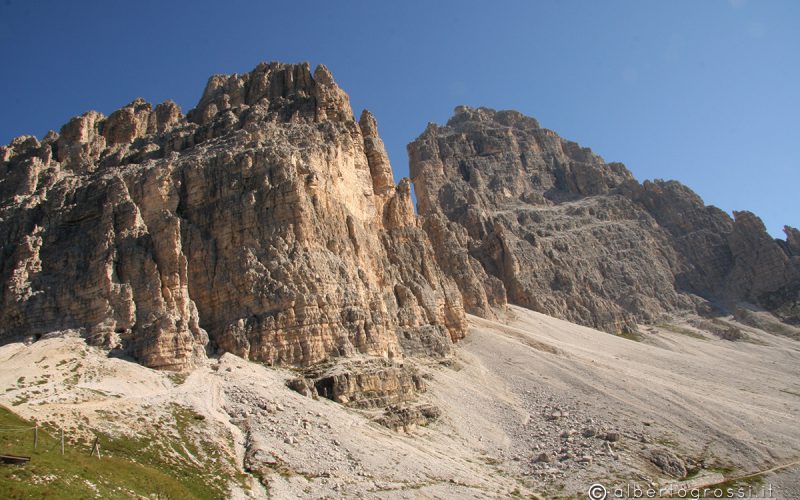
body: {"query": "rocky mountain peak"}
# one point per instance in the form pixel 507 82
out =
pixel 265 223
pixel 547 224
pixel 792 240
pixel 286 91
pixel 465 114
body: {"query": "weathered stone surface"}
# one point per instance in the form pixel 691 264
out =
pixel 266 220
pixel 725 260
pixel 128 124
pixel 406 417
pixel 792 240
pixel 667 462
pixel 516 212
pixel 380 169
pixel 81 143
pixel 365 383
pixel 760 266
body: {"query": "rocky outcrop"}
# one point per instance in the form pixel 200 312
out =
pixel 406 417
pixel 365 384
pixel 265 223
pixel 667 462
pixel 369 385
pixel 517 213
pixel 792 240
pixel 760 266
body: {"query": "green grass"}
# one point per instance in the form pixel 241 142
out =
pixel 158 466
pixel 630 335
pixel 681 331
pixel 753 482
pixel 178 378
pixel 20 400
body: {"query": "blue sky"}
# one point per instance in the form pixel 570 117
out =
pixel 705 92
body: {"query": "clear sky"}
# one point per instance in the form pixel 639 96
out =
pixel 705 92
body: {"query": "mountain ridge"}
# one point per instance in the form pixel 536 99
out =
pixel 260 247
pixel 503 186
pixel 266 222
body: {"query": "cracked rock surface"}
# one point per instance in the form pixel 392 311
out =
pixel 266 222
pixel 518 214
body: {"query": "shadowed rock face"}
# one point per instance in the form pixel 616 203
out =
pixel 265 222
pixel 517 213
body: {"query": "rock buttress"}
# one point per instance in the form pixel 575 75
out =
pixel 265 222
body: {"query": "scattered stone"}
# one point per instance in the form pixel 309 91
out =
pixel 404 417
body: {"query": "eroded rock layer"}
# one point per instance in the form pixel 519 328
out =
pixel 361 383
pixel 266 222
pixel 517 213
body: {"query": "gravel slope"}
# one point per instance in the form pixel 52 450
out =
pixel 531 404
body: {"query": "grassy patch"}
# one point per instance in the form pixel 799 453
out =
pixel 129 467
pixel 178 378
pixel 681 331
pixel 745 483
pixel 631 335
pixel 722 469
pixel 74 377
pixel 666 442
pixel 721 329
pixel 20 400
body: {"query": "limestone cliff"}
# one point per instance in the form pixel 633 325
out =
pixel 265 222
pixel 517 213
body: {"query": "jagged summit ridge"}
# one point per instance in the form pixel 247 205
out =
pixel 274 92
pixel 288 90
pixel 547 224
pixel 265 222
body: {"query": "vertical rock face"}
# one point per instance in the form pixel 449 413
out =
pixel 792 240
pixel 265 222
pixel 516 213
